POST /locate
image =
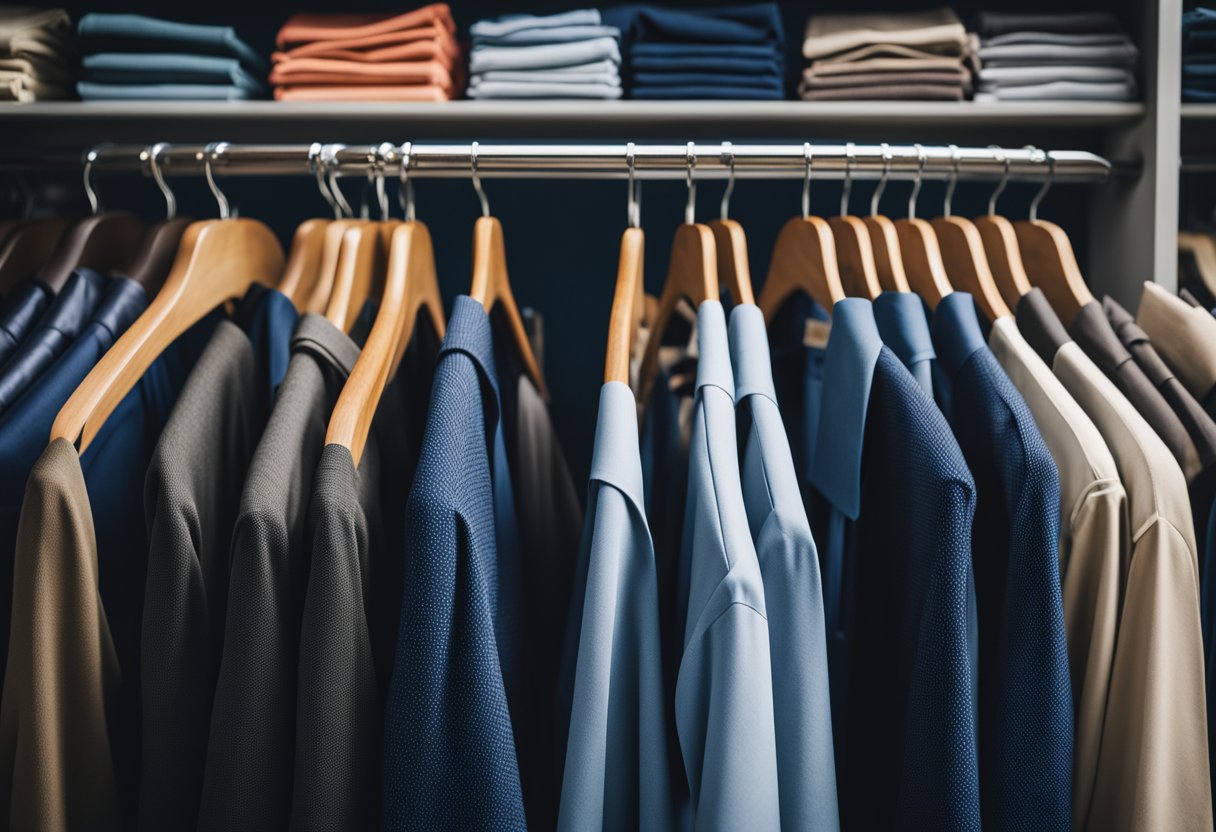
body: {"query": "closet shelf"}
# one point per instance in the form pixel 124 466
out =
pixel 1199 112
pixel 80 123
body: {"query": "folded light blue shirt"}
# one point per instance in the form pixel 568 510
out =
pixel 793 590
pixel 510 24
pixel 485 59
pixel 562 34
pixel 616 771
pixel 91 91
pixel 724 689
pixel 166 68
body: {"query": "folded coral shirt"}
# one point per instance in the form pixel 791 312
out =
pixel 303 28
pixel 325 71
pixel 136 33
pixel 134 68
pixel 444 49
pixel 938 31
pixel 484 59
pixel 334 92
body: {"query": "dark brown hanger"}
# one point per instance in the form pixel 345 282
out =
pixel 804 259
pixel 157 249
pixel 27 249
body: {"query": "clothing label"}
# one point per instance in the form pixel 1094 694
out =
pixel 816 334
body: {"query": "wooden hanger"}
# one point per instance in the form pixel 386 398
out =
pixel 411 287
pixel 730 242
pixel 854 250
pixel 888 260
pixel 629 298
pixel 1001 246
pixel 1051 263
pixel 218 261
pixel 491 287
pixel 327 270
pixel 919 248
pixel 303 269
pixel 27 249
pixel 1203 249
pixel 963 255
pixel 363 255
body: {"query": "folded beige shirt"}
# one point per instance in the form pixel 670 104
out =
pixel 927 63
pixel 938 31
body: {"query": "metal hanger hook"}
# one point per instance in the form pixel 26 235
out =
pixel 633 205
pixel 1000 156
pixel 920 173
pixel 806 181
pixel 481 194
pixel 89 190
pixel 405 194
pixel 318 170
pixel 728 155
pixel 882 179
pixel 849 161
pixel 1038 198
pixel 952 182
pixel 210 153
pixel 158 175
pixel 375 172
pixel 690 207
pixel 329 158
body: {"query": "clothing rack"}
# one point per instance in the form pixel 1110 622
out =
pixel 591 161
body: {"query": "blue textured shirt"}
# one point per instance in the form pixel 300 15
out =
pixel 449 750
pixel 19 314
pixel 57 327
pixel 616 770
pixel 724 690
pixel 1025 696
pixel 893 508
pixel 793 591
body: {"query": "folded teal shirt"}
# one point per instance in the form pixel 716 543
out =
pixel 137 33
pixel 92 91
pixel 168 68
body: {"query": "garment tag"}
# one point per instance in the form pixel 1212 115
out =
pixel 815 336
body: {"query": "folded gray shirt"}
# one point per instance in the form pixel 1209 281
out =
pixel 1059 38
pixel 1060 91
pixel 509 24
pixel 546 34
pixel 509 89
pixel 1121 54
pixel 548 76
pixel 1019 76
pixel 485 59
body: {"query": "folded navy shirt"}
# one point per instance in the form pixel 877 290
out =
pixel 739 66
pixel 718 91
pixel 706 79
pixel 137 33
pixel 757 24
pixel 57 328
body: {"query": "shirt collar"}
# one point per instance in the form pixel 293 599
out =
pixel 956 330
pixel 713 349
pixel 1097 337
pixel 904 327
pixel 1040 325
pixel 617 458
pixel 848 374
pixel 317 335
pixel 749 353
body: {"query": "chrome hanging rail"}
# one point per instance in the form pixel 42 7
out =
pixel 599 161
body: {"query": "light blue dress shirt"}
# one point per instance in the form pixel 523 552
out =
pixel 793 591
pixel 724 690
pixel 616 773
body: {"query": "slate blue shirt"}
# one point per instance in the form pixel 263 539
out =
pixel 894 505
pixel 616 769
pixel 26 427
pixel 1025 695
pixel 793 591
pixel 904 328
pixel 724 691
pixel 57 327
pixel 19 314
pixel 449 749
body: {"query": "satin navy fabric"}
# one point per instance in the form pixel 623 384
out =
pixel 19 314
pixel 1025 692
pixel 58 326
pixel 449 749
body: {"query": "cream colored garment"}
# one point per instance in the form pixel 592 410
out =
pixel 1152 771
pixel 939 31
pixel 54 747
pixel 1184 335
pixel 1094 542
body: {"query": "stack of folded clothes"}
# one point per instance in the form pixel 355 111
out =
pixel 128 56
pixel 728 52
pixel 368 57
pixel 568 55
pixel 1061 57
pixel 1199 55
pixel 926 56
pixel 37 59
